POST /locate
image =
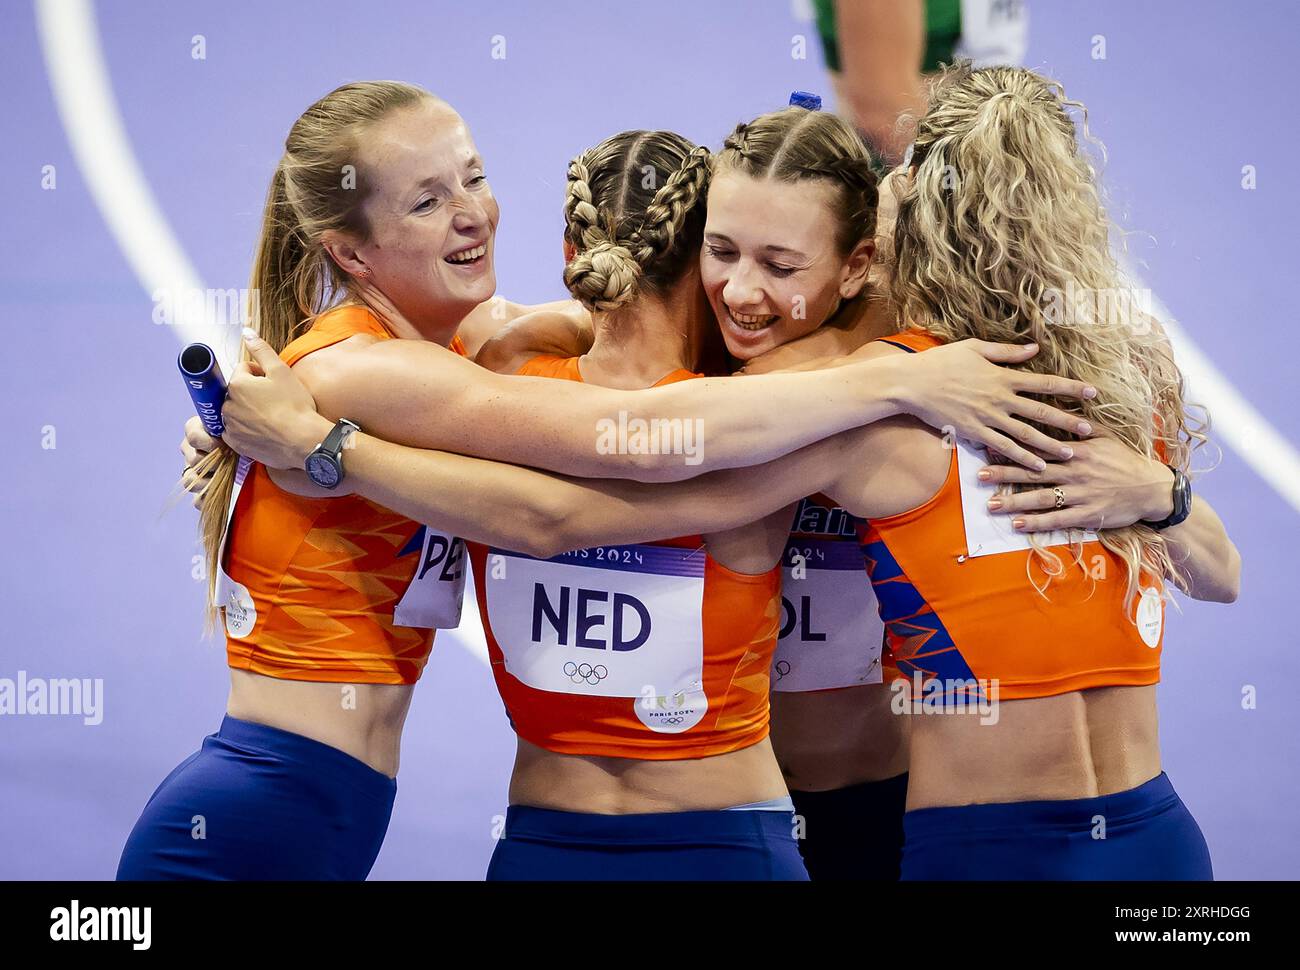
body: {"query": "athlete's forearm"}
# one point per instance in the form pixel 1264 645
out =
pixel 542 514
pixel 1208 562
pixel 483 501
pixel 662 434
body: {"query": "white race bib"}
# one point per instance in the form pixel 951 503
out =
pixel 610 621
pixel 433 599
pixel 436 594
pixel 233 599
pixel 831 632
pixel 988 534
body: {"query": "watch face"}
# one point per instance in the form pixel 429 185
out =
pixel 322 471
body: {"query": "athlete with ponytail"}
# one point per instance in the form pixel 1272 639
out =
pixel 329 600
pixel 1055 642
pixel 1038 656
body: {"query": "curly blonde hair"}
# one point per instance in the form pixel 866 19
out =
pixel 1002 235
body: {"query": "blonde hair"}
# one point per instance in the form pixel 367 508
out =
pixel 795 144
pixel 1002 222
pixel 294 280
pixel 632 227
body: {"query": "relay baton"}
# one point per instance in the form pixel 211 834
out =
pixel 202 376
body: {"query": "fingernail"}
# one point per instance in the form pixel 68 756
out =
pixel 1031 346
pixel 1040 465
pixel 250 334
pixel 1017 523
pixel 1085 427
pixel 1067 452
pixel 1089 392
pixel 995 504
pixel 984 475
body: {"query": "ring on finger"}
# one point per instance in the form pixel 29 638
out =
pixel 1060 496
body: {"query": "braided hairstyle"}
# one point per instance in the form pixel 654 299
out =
pixel 794 144
pixel 634 214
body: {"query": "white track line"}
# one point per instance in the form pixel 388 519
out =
pixel 1235 420
pixel 93 124
pixel 84 95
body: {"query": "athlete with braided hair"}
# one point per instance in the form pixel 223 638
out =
pixel 793 194
pixel 403 388
pixel 665 740
pixel 792 211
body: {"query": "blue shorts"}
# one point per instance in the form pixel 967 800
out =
pixel 1145 833
pixel 255 802
pixel 541 843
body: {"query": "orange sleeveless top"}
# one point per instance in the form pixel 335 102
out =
pixel 962 616
pixel 339 590
pixel 653 651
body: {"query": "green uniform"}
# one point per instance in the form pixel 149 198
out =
pixel 986 31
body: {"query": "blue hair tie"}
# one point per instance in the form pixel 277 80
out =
pixel 806 99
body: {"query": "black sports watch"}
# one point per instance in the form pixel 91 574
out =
pixel 1182 502
pixel 325 464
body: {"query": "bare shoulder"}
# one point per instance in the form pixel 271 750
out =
pixel 890 466
pixel 323 365
pixel 488 320
pixel 542 331
pixel 869 351
pixel 370 375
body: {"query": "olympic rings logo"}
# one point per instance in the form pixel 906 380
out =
pixel 586 672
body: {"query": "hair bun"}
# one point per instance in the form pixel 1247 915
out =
pixel 603 277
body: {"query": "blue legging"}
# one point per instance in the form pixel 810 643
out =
pixel 540 843
pixel 255 802
pixel 1145 833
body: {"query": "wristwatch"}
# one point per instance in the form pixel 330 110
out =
pixel 325 464
pixel 1182 502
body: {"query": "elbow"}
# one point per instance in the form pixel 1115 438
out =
pixel 545 528
pixel 1224 585
pixel 1232 584
pixel 643 467
pixel 664 468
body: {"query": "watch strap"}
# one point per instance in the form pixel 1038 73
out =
pixel 1182 505
pixel 339 434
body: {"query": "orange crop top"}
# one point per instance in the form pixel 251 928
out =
pixel 651 650
pixel 958 606
pixel 339 590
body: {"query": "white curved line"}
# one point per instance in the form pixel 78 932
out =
pixel 1236 422
pixel 83 93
